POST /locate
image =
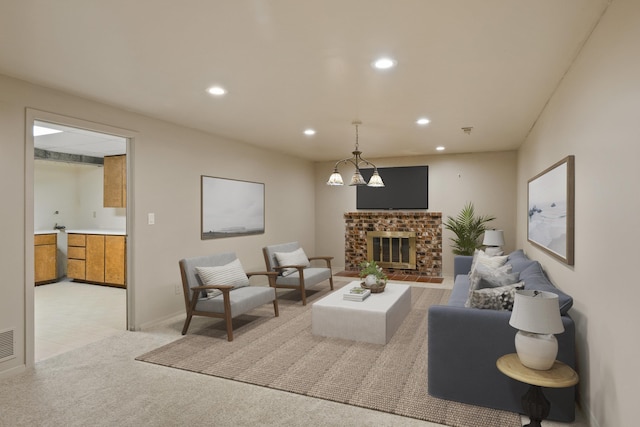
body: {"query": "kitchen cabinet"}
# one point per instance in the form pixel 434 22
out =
pixel 97 258
pixel 115 181
pixel 45 258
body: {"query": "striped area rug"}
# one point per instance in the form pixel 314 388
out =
pixel 281 353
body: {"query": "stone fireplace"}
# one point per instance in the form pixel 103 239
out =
pixel 392 237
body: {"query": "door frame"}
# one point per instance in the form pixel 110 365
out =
pixel 31 116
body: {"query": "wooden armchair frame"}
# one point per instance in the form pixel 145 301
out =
pixel 192 295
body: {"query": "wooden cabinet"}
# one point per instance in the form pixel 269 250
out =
pixel 115 181
pixel 97 258
pixel 45 258
pixel 115 256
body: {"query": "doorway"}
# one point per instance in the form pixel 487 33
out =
pixel 68 186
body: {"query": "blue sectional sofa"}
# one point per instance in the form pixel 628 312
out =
pixel 464 344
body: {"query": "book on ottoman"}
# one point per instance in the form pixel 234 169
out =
pixel 356 294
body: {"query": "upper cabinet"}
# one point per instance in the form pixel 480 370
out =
pixel 115 181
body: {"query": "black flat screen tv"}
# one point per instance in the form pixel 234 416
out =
pixel 406 187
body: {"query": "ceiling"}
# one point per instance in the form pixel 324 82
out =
pixel 289 65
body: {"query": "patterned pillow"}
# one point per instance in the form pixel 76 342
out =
pixel 500 298
pixel 228 274
pixel 297 257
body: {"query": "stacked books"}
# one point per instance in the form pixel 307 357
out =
pixel 356 294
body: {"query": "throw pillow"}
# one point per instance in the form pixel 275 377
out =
pixel 479 257
pixel 486 277
pixel 297 257
pixel 500 298
pixel 229 274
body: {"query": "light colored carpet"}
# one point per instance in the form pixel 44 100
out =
pixel 281 353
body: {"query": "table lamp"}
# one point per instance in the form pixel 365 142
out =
pixel 536 315
pixel 494 240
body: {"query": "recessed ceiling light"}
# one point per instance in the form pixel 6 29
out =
pixel 384 63
pixel 41 130
pixel 423 121
pixel 309 132
pixel 217 90
pixel 440 148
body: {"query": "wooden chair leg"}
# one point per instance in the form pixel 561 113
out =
pixel 227 319
pixel 186 324
pixel 331 282
pixel 275 307
pixel 304 295
pixel 227 313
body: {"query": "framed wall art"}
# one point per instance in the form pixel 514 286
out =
pixel 231 208
pixel 550 200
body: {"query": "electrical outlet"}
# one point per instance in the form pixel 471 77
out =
pixel 178 289
pixel 151 218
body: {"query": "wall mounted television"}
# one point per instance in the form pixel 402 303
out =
pixel 406 188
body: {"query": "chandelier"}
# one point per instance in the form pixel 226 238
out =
pixel 356 160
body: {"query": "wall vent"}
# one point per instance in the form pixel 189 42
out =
pixel 7 345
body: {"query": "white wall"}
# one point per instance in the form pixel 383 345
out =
pixel 69 194
pixel 167 162
pixel 486 179
pixel 594 116
pixel 75 192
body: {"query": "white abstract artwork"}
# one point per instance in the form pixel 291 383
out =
pixel 231 208
pixel 550 210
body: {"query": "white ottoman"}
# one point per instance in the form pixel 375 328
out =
pixel 373 320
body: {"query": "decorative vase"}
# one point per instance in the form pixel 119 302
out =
pixel 370 280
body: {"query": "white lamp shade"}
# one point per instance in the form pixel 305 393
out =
pixel 537 312
pixel 493 238
pixel 357 179
pixel 335 179
pixel 375 180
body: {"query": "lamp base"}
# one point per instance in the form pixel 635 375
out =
pixel 536 351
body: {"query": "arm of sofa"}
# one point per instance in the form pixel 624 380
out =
pixel 463 346
pixel 461 265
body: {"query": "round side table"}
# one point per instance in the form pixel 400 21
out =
pixel 535 405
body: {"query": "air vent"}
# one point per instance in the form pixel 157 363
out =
pixel 7 345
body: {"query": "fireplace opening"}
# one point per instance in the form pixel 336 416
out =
pixel 392 249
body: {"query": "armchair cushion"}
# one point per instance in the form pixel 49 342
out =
pixel 312 275
pixel 229 274
pixel 296 257
pixel 242 300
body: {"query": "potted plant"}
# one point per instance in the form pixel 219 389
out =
pixel 374 277
pixel 468 228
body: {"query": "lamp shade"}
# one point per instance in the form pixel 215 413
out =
pixel 537 312
pixel 357 178
pixel 493 238
pixel 335 178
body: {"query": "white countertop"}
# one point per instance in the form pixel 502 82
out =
pixel 46 232
pixel 98 231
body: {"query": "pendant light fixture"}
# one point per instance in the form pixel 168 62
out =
pixel 356 160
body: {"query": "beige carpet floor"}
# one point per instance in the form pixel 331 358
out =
pixel 281 353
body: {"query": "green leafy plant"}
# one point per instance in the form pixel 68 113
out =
pixel 371 267
pixel 468 228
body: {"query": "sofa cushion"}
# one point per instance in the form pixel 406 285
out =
pixel 500 298
pixel 518 260
pixel 535 279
